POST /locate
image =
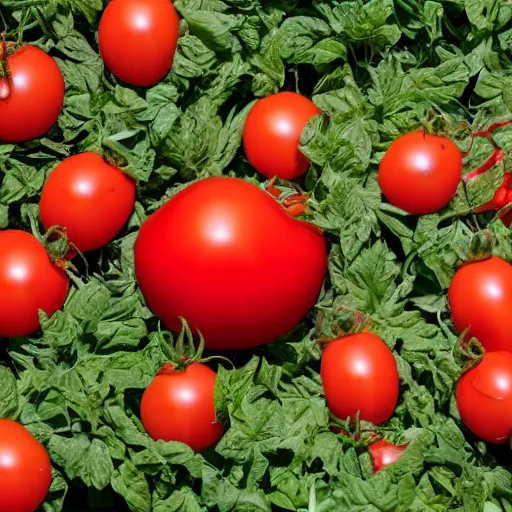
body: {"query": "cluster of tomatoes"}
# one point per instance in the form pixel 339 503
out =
pixel 210 255
pixel 420 173
pixel 214 253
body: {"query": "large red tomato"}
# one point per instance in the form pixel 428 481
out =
pixel 138 39
pixel 90 198
pixel 272 134
pixel 224 255
pixel 36 95
pixel 25 469
pixel 359 374
pixel 484 397
pixel 420 172
pixel 179 406
pixel 29 281
pixel 480 297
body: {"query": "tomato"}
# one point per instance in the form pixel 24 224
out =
pixel 359 374
pixel 420 172
pixel 138 39
pixel 179 406
pixel 25 469
pixel 384 454
pixel 502 198
pixel 272 134
pixel 90 198
pixel 480 297
pixel 484 397
pixel 29 281
pixel 223 254
pixel 36 96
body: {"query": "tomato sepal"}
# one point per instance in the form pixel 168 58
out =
pixel 356 433
pixel 470 350
pixel 352 322
pixel 184 352
pixel 480 247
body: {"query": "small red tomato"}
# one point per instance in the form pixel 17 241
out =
pixel 359 374
pixel 384 454
pixel 484 398
pixel 502 198
pixel 90 198
pixel 29 281
pixel 25 469
pixel 179 406
pixel 420 172
pixel 480 297
pixel 138 39
pixel 272 134
pixel 35 96
pixel 223 254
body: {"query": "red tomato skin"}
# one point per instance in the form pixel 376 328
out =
pixel 272 134
pixel 36 95
pixel 484 398
pixel 480 297
pixel 29 281
pixel 212 254
pixel 420 172
pixel 138 39
pixel 384 454
pixel 90 198
pixel 179 406
pixel 25 469
pixel 359 374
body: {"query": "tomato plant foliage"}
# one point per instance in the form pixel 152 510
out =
pixel 377 70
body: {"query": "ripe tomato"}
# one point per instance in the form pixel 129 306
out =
pixel 138 39
pixel 36 95
pixel 480 297
pixel 272 134
pixel 179 406
pixel 359 374
pixel 502 198
pixel 224 255
pixel 29 281
pixel 25 469
pixel 420 172
pixel 484 397
pixel 384 454
pixel 90 198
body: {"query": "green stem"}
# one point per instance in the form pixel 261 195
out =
pixel 21 28
pixel 39 21
pixel 312 498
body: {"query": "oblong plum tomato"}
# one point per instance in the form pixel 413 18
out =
pixel 179 406
pixel 359 373
pixel 484 398
pixel 384 454
pixel 480 297
pixel 29 281
pixel 420 172
pixel 138 39
pixel 272 134
pixel 90 198
pixel 224 254
pixel 36 95
pixel 25 469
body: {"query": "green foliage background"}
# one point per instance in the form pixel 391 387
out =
pixel 377 69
